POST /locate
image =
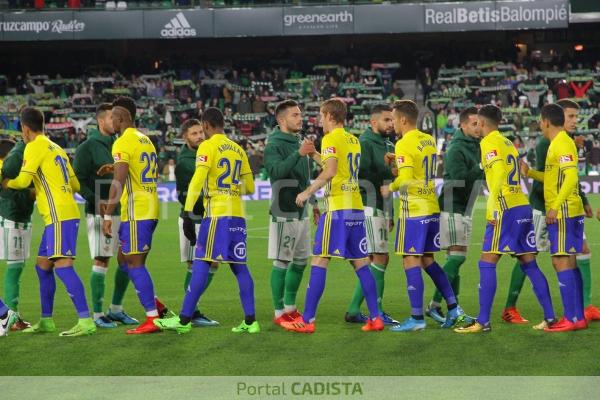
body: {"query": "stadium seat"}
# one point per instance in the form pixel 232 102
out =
pixel 111 5
pixel 122 5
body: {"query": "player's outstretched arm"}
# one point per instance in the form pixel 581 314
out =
pixel 195 188
pixel 114 195
pixel 497 175
pixel 22 181
pixel 570 181
pixel 247 183
pixel 327 174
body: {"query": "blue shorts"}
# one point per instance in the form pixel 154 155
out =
pixel 418 235
pixel 59 240
pixel 513 233
pixel 566 236
pixel 136 236
pixel 341 234
pixel 222 239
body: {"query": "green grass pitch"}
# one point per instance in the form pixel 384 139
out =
pixel 336 348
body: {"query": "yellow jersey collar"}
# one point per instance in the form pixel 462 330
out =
pixel 337 131
pixel 129 130
pixel 411 132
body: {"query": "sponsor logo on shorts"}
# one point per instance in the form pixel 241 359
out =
pixel 490 155
pixel 363 245
pixel 238 229
pixel 354 223
pixel 239 250
pixel 428 220
pixel 524 221
pixel 531 239
pixel 565 158
pixel 436 241
pixel 329 150
pixel 580 221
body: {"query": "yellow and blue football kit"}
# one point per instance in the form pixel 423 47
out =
pixel 139 199
pixel 513 231
pixel 418 228
pixel 341 229
pixel 561 193
pixel 47 164
pixel 222 175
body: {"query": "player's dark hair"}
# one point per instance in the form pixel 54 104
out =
pixel 32 118
pixel 213 117
pixel 336 108
pixel 379 108
pixel 283 106
pixel 408 109
pixel 492 113
pixel 188 124
pixel 466 113
pixel 554 114
pixel 5 146
pixel 127 103
pixel 102 108
pixel 566 103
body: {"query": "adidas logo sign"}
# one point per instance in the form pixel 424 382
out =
pixel 178 27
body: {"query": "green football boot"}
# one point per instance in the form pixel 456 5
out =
pixel 45 325
pixel 173 324
pixel 243 328
pixel 84 327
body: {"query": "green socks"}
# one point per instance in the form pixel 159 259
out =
pixel 12 284
pixel 278 286
pixel 293 278
pixel 121 282
pixel 586 275
pixel 517 279
pixel 451 268
pixel 378 272
pixel 98 284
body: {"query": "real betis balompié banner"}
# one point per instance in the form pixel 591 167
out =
pixel 284 21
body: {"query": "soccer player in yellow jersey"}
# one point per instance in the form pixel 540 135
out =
pixel 223 175
pixel 418 228
pixel 564 215
pixel 341 231
pixel 509 218
pixel 48 166
pixel 134 183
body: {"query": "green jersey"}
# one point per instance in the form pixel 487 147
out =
pixel 90 155
pixel 184 171
pixel 15 205
pixel 289 173
pixel 373 172
pixel 461 172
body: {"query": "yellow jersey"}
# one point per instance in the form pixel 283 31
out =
pixel 139 199
pixel 343 191
pixel 562 155
pixel 53 178
pixel 226 162
pixel 416 159
pixel 495 148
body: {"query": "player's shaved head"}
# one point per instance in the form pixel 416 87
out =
pixel 128 104
pixel 5 146
pixel 214 118
pixel 554 114
pixel 33 119
pixel 491 113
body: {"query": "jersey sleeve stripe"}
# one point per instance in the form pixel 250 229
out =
pixel 49 197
